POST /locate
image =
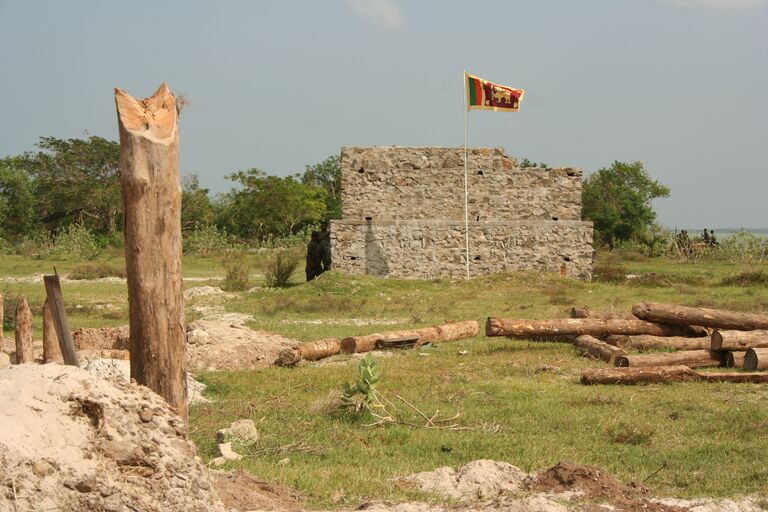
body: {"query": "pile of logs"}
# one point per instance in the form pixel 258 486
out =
pixel 687 337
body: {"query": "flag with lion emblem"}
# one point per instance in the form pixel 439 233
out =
pixel 485 95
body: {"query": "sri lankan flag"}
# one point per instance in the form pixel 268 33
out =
pixel 485 95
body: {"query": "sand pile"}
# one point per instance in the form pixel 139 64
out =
pixel 72 441
pixel 230 345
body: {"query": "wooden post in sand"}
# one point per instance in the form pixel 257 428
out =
pixel 24 351
pixel 51 348
pixel 151 189
pixel 55 300
pixel 2 318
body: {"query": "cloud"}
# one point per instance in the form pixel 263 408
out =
pixel 381 12
pixel 719 4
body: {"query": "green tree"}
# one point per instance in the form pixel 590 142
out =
pixel 618 200
pixel 17 201
pixel 196 208
pixel 270 205
pixel 327 176
pixel 76 180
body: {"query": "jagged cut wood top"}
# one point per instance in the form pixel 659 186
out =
pixel 154 117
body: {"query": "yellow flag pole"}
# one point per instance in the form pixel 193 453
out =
pixel 466 188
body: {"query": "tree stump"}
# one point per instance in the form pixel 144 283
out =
pixel 25 352
pixel 151 190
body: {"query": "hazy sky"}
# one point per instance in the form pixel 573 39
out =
pixel 679 84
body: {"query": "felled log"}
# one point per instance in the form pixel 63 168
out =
pixel 395 343
pixel 151 190
pixel 756 359
pixel 605 315
pixel 656 375
pixel 435 334
pixel 309 351
pixel 691 358
pixel 646 342
pixel 734 359
pixel 597 349
pixel 686 315
pixel 579 326
pixel 24 350
pixel 739 340
pixel 51 348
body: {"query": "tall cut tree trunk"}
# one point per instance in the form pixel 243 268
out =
pixel 51 348
pixel 24 350
pixel 151 189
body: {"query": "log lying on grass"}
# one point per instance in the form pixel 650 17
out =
pixel 447 332
pixel 756 359
pixel 309 351
pixel 647 342
pixel 734 359
pixel 691 358
pixel 605 315
pixel 579 326
pixel 658 375
pixel 686 315
pixel 738 340
pixel 597 349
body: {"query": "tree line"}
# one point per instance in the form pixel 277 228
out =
pixel 77 181
pixel 67 182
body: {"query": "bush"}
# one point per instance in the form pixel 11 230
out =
pixel 209 241
pixel 77 241
pixel 96 271
pixel 746 279
pixel 609 273
pixel 280 264
pixel 743 247
pixel 34 246
pixel 237 272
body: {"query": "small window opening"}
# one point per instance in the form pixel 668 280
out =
pixel 476 258
pixel 567 258
pixel 369 218
pixel 555 218
pixel 361 170
pixel 480 173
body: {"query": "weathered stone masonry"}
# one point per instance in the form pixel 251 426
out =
pixel 403 215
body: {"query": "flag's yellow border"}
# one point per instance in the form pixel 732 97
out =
pixel 484 107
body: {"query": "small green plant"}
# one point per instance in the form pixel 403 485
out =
pixel 360 394
pixel 279 265
pixel 237 272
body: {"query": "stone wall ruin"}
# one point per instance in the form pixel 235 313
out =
pixel 403 215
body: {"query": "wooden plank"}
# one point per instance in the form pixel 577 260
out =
pixel 60 320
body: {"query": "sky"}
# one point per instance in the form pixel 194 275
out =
pixel 679 85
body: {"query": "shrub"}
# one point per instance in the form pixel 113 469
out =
pixel 743 247
pixel 237 272
pixel 96 271
pixel 208 241
pixel 746 279
pixel 609 273
pixel 77 241
pixel 34 246
pixel 280 264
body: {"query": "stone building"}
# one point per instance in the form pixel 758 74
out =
pixel 403 215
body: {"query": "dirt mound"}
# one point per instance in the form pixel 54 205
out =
pixel 478 480
pixel 242 491
pixel 101 338
pixel 494 485
pixel 72 441
pixel 224 345
pixel 596 485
